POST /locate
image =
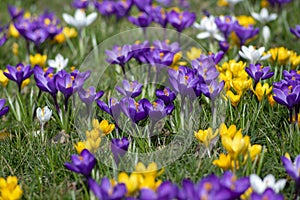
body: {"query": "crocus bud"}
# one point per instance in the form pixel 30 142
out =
pixel 266 34
pixel 43 114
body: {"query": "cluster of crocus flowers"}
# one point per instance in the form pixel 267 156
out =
pixel 287 92
pixel 236 80
pixel 238 147
pixel 9 188
pixel 284 56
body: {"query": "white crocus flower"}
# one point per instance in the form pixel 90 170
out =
pixel 80 20
pixel 59 63
pixel 266 33
pixel 43 114
pixel 209 28
pixel 258 185
pixel 264 17
pixel 252 54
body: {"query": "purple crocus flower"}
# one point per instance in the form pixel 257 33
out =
pixel 130 89
pixel 268 194
pixel 143 20
pixel 119 147
pixel 3 109
pixel 165 191
pixel 238 186
pixel 105 8
pixel 80 4
pixel 15 12
pixel 106 191
pixel 136 111
pixel 113 108
pixel 224 46
pixel 90 95
pixel 292 169
pixel 287 95
pixel 166 47
pixel 122 8
pixel 143 5
pixel 167 95
pixel 213 89
pixel 18 73
pixel 183 81
pixel 225 24
pixel 181 20
pixel 245 33
pixel 258 72
pixel 157 110
pixel 279 2
pixel 296 31
pixel 206 68
pixel 139 50
pixel 82 164
pixel 160 59
pixel 64 83
pixel 119 55
pixel 3 39
pixel 160 16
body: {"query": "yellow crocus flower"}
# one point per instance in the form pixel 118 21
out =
pixel 3 79
pixel 254 151
pixel 176 61
pixel 234 98
pixel 150 170
pixel 205 136
pixel 66 33
pixel 25 83
pixel 294 60
pixel 245 20
pixel 225 162
pixel 15 49
pixel 38 59
pixel 262 90
pixel 9 188
pixel 230 131
pixel 132 182
pixel 103 126
pixel 93 134
pixel 194 53
pixel 12 31
pixel 79 147
pixel 238 145
pixel 92 145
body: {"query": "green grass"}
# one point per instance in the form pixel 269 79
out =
pixel 39 164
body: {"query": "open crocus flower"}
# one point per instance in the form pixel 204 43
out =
pixel 259 186
pixel 264 17
pixel 287 95
pixel 59 63
pixel 292 168
pixel 80 20
pixel 245 33
pixel 15 12
pixel 157 110
pixel 82 164
pixel 167 95
pixel 258 72
pixel 205 136
pixel 136 111
pixel 90 95
pixel 209 28
pixel 181 20
pixel 130 89
pixel 166 190
pixel 252 54
pixel 113 108
pixel 296 31
pixel 106 190
pixel 9 188
pixel 142 20
pixel 18 73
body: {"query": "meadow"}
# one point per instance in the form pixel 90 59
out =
pixel 153 100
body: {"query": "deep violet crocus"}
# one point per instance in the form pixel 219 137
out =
pixel 258 72
pixel 143 20
pixel 245 33
pixel 157 110
pixel 15 12
pixel 167 95
pixel 159 16
pixel 143 5
pixel 112 108
pixel 80 4
pixel 130 88
pixel 82 164
pixel 122 8
pixel 3 109
pixel 105 8
pixel 237 185
pixel 18 73
pixel 106 191
pixel 181 20
pixel 136 111
pixel 296 31
pixel 119 147
pixel 292 168
pixel 119 55
pixel 287 95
